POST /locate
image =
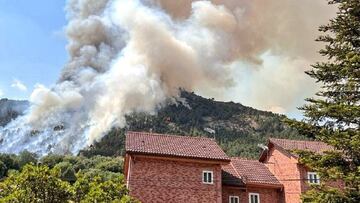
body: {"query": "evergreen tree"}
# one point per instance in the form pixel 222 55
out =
pixel 333 116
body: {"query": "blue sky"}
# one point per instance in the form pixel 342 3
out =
pixel 32 45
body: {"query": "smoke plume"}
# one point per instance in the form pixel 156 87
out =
pixel 273 45
pixel 133 56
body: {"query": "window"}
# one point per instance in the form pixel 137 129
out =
pixel 208 177
pixel 313 178
pixel 254 198
pixel 234 199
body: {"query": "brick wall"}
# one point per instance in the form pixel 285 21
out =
pixel 287 170
pixel 267 195
pixel 156 180
pixel 233 191
pixel 291 174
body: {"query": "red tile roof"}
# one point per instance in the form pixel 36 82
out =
pixel 230 176
pixel 173 145
pixel 313 146
pixel 250 172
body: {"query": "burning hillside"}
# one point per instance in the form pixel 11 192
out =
pixel 133 56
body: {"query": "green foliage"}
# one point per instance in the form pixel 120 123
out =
pixel 325 194
pixel 42 184
pixel 334 115
pixel 52 159
pixel 3 169
pixel 35 184
pixel 110 145
pixel 94 189
pixel 102 166
pixel 26 157
pixel 113 165
pixel 67 171
pixel 10 161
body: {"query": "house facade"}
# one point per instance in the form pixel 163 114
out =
pixel 169 168
pixel 283 163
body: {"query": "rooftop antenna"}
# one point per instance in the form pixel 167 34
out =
pixel 211 131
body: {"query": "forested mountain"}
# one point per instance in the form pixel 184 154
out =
pixel 238 129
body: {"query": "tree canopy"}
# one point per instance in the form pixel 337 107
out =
pixel 333 116
pixel 59 178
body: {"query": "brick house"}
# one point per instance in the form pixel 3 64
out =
pixel 284 164
pixel 169 168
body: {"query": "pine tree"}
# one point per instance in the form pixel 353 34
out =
pixel 333 115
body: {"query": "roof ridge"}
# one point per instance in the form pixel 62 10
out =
pixel 243 158
pixel 313 141
pixel 170 135
pixel 237 173
pixel 288 145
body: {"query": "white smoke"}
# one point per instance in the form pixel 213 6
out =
pixel 273 45
pixel 132 56
pixel 125 57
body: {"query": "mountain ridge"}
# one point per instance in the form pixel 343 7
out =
pixel 238 128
